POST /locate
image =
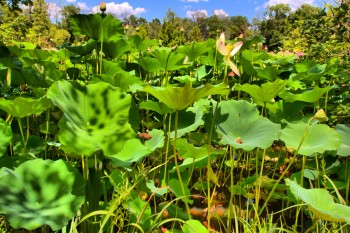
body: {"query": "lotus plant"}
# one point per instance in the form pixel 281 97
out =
pixel 228 51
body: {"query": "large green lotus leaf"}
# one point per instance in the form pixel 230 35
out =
pixel 308 96
pixel 35 145
pixel 98 27
pixel 150 64
pixel 286 112
pixel 114 49
pixel 266 93
pixel 83 49
pixel 175 187
pixel 268 73
pixel 194 50
pixel 241 126
pixel 41 192
pixel 141 211
pixel 187 150
pixel 189 119
pixel 5 135
pixel 179 98
pixel 95 117
pixel 194 226
pixel 168 59
pixel 321 203
pixel 22 107
pixel 344 131
pixel 318 138
pixel 158 107
pixel 141 44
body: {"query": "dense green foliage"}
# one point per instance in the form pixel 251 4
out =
pixel 122 132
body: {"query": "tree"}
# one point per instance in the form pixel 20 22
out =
pixel 153 28
pixel 13 25
pixel 39 32
pixel 67 12
pixel 171 32
pixel 238 25
pixel 275 25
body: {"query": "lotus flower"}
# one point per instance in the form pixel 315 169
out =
pixel 228 51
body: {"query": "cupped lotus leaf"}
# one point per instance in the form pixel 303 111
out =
pixel 95 117
pixel 175 187
pixel 179 98
pixel 98 27
pixel 157 140
pixel 158 107
pixel 286 112
pixel 318 138
pixel 194 50
pixel 241 126
pixel 133 150
pixel 268 73
pixel 83 49
pixel 114 49
pixel 41 192
pixel 168 59
pixel 150 64
pixel 308 96
pixel 140 210
pixel 5 135
pixel 34 145
pixel 194 226
pixel 187 150
pixel 25 106
pixel 344 131
pixel 266 93
pixel 321 203
pixel 141 44
pixel 189 119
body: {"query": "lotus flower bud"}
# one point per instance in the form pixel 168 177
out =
pixel 320 116
pixel 103 6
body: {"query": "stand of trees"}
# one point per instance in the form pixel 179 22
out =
pixel 318 32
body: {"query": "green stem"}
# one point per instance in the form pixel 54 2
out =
pixel 177 165
pixel 19 120
pixel 285 171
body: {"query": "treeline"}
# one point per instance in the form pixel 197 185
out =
pixel 322 33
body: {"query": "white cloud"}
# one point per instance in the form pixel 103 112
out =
pixel 82 6
pixel 71 1
pixel 120 10
pixel 220 13
pixel 196 14
pixel 294 4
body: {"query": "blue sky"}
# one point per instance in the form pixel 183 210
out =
pixel 151 9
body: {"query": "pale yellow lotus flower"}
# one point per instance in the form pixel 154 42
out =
pixel 228 51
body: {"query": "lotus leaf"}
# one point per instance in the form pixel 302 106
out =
pixel 41 192
pixel 318 138
pixel 308 96
pixel 344 131
pixel 241 126
pixel 95 117
pixel 321 203
pixel 22 107
pixel 98 27
pixel 194 226
pixel 266 93
pixel 5 135
pixel 179 98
